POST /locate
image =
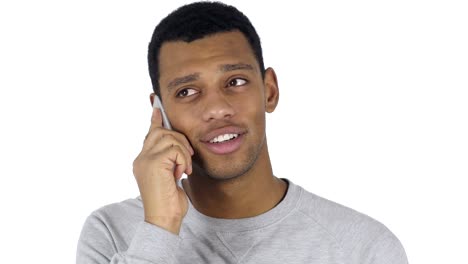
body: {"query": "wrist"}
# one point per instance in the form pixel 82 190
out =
pixel 171 224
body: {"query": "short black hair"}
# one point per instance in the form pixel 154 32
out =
pixel 195 21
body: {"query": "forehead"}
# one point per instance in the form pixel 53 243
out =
pixel 179 57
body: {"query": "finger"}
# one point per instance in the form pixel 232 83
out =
pixel 153 137
pixel 179 160
pixel 183 139
pixel 156 119
pixel 178 172
pixel 186 166
pixel 160 134
pixel 168 142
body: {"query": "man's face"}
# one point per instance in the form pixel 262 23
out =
pixel 213 92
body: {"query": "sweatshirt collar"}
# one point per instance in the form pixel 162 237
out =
pixel 277 213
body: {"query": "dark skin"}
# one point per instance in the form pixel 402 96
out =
pixel 209 85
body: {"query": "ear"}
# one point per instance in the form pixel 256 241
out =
pixel 271 90
pixel 152 98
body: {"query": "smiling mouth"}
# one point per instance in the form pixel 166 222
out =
pixel 225 143
pixel 223 138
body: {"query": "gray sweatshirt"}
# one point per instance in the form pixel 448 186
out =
pixel 302 228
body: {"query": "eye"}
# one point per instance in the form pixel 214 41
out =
pixel 237 82
pixel 186 92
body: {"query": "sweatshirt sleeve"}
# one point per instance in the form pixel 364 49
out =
pixel 150 244
pixel 386 249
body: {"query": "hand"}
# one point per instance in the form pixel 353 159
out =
pixel 165 156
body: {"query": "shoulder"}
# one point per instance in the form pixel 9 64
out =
pixel 109 230
pixel 114 221
pixel 336 218
pixel 362 238
pixel 126 209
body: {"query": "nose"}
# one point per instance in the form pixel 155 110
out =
pixel 217 107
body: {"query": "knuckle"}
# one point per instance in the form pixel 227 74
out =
pixel 158 129
pixel 178 150
pixel 136 161
pixel 176 147
pixel 155 132
pixel 169 136
pixel 136 167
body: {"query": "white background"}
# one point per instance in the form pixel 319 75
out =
pixel 373 114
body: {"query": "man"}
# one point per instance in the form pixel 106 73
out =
pixel 205 62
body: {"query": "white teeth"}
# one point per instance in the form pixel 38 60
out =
pixel 224 137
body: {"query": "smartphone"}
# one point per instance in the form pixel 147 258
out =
pixel 158 104
pixel 166 124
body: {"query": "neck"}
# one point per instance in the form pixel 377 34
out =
pixel 251 194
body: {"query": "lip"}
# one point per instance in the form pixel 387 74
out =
pixel 221 131
pixel 225 147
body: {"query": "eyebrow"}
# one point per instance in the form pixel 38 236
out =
pixel 185 79
pixel 237 66
pixel 195 76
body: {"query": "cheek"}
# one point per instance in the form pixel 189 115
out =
pixel 181 122
pixel 256 103
pixel 253 109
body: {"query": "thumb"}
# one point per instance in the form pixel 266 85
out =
pixel 156 119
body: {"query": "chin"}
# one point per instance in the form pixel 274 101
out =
pixel 228 168
pixel 226 172
pixel 231 166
